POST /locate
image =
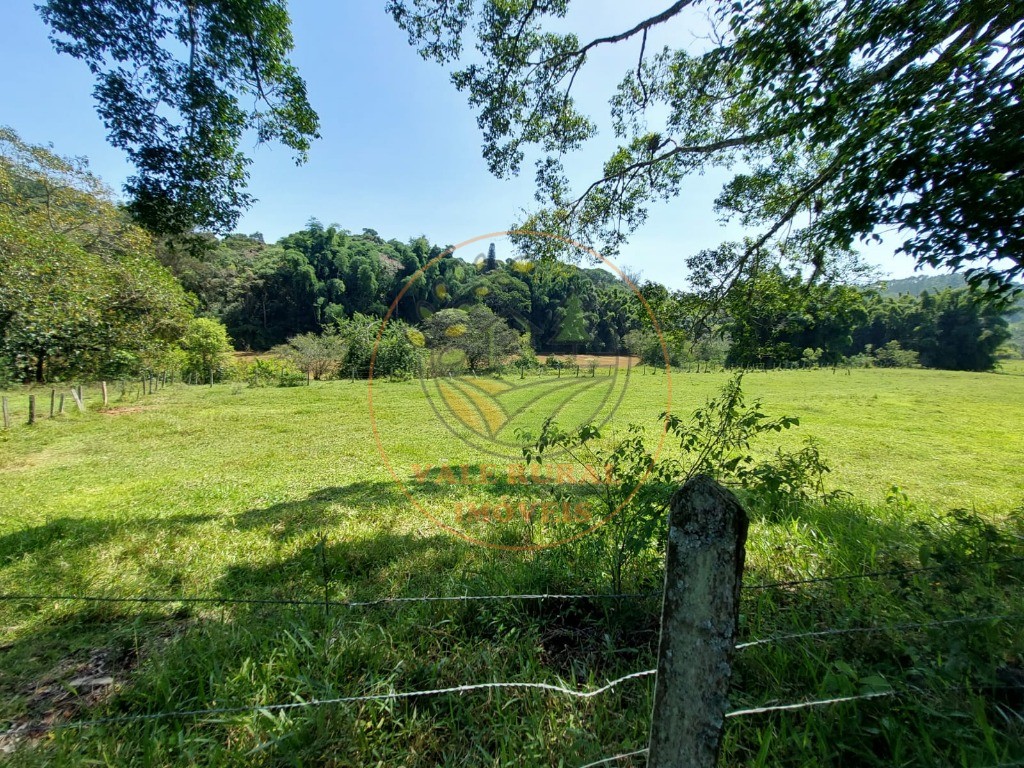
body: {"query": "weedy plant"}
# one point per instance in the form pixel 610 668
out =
pixel 632 491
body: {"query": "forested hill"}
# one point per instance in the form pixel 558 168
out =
pixel 265 293
pixel 84 292
pixel 316 279
pixel 918 284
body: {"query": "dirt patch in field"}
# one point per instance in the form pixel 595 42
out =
pixel 603 361
pixel 71 687
pixel 120 410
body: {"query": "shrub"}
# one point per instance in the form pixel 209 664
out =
pixel 319 356
pixel 634 495
pixel 892 355
pixel 207 348
pixel 398 353
pixel 280 373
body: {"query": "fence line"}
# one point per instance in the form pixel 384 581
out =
pixel 880 574
pixel 393 696
pixel 707 531
pixel 8 597
pixel 616 758
pixel 879 628
pixel 789 708
pixel 808 704
pixel 576 693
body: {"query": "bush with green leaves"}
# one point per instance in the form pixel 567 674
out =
pixel 207 350
pixel 317 355
pixel 892 355
pixel 483 338
pixel 634 494
pixel 647 345
pixel 272 372
pixel 398 348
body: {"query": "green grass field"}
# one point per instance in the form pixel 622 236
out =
pixel 232 492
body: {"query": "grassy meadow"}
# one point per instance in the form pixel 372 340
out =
pixel 262 494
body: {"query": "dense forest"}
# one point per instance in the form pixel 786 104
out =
pixel 85 292
pixel 310 280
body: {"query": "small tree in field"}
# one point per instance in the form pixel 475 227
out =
pixel 892 355
pixel 315 355
pixel 207 347
pixel 484 338
pixel 812 357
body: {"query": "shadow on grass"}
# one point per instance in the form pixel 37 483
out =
pixel 198 657
pixel 76 533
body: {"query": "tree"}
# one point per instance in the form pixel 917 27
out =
pixel 773 318
pixel 81 292
pixel 174 83
pixel 483 337
pixel 952 329
pixel 573 328
pixel 491 263
pixel 316 355
pixel 847 118
pixel 507 295
pixel 207 348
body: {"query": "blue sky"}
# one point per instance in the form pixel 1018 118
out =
pixel 400 149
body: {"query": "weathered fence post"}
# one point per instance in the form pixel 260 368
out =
pixel 31 410
pixel 53 400
pixel 7 415
pixel 77 395
pixel 60 407
pixel 699 616
pixel 103 387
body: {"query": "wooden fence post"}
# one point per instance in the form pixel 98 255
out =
pixel 7 415
pixel 77 395
pixel 103 387
pixel 60 407
pixel 31 410
pixel 699 616
pixel 53 400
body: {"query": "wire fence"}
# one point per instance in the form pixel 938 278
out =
pixel 25 729
pixel 326 602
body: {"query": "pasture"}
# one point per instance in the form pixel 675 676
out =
pixel 232 493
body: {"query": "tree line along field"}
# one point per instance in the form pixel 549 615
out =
pixel 232 492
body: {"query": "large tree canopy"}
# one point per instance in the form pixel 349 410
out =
pixel 847 119
pixel 81 292
pixel 178 84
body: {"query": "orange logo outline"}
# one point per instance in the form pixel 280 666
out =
pixel 373 420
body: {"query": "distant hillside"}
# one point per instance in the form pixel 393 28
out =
pixel 916 285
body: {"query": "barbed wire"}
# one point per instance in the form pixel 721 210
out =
pixel 880 574
pixel 879 628
pixel 185 599
pixel 11 597
pixel 789 708
pixel 808 704
pixel 392 696
pixel 616 758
